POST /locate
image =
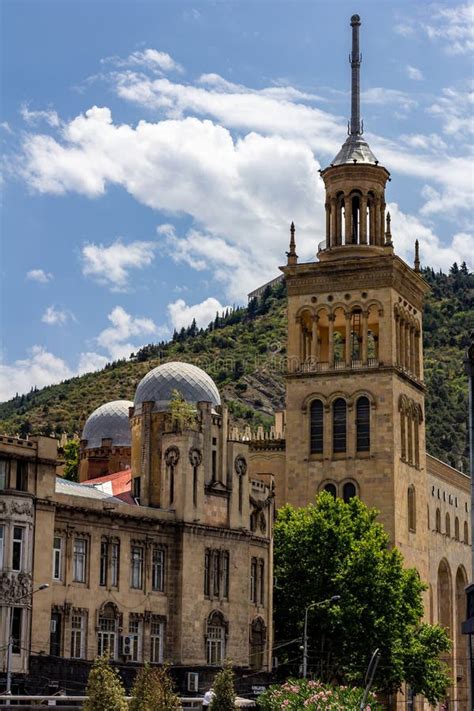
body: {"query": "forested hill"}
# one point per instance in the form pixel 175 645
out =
pixel 243 349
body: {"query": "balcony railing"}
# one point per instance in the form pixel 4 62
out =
pixel 311 366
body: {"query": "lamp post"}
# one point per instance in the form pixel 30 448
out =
pixel 8 689
pixel 334 598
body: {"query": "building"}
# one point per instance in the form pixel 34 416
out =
pixel 170 560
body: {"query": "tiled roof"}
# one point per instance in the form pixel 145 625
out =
pixel 193 383
pixel 73 488
pixel 109 421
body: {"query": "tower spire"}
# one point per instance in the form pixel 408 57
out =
pixel 291 254
pixel 417 256
pixel 356 127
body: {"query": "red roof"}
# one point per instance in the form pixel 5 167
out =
pixel 120 484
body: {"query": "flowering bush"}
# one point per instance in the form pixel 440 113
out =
pixel 302 695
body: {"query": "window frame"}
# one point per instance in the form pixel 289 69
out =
pixel 363 432
pixel 316 427
pixel 158 569
pixel 79 560
pixel 20 548
pixel 339 426
pixel 103 563
pixel 57 559
pixel 136 567
pixel 114 564
pixel 78 635
pixel 4 473
pixel 156 641
pixel 2 545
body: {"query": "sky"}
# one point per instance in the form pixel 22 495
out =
pixel 154 154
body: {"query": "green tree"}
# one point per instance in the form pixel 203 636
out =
pixel 153 691
pixel 224 692
pixel 183 414
pixel 71 458
pixel 104 690
pixel 331 548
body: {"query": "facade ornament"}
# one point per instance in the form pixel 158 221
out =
pixel 240 465
pixel 291 254
pixel 195 457
pixel 172 456
pixel 21 507
pixel 15 588
pixel 388 232
pixel 417 256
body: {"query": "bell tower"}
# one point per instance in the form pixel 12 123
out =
pixel 354 384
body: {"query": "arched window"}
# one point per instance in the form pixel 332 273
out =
pixel 349 491
pixel 448 525
pixel 215 638
pixel 363 424
pixel 339 425
pixel 456 529
pixel 331 489
pixel 317 426
pixel 438 521
pixel 411 509
pixel 466 533
pixel 258 634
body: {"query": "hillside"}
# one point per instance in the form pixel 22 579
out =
pixel 241 351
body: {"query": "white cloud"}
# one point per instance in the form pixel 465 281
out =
pixel 90 361
pixel 455 109
pixel 32 117
pixel 454 26
pixel 39 275
pixel 110 266
pixel 56 317
pixel 427 142
pixel 414 73
pixel 381 96
pixel 150 59
pixel 181 315
pixel 114 339
pixel 39 369
pixel 5 126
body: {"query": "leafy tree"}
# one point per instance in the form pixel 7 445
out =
pixel 71 457
pixel 224 692
pixel 104 688
pixel 331 548
pixel 153 691
pixel 183 414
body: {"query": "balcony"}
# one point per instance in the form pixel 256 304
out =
pixel 311 366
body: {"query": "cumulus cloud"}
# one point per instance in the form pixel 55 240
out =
pixel 181 314
pixel 455 108
pixel 40 368
pixel 115 338
pixel 39 275
pixel 56 317
pixel 414 73
pixel 33 117
pixel 150 59
pixel 110 266
pixel 454 26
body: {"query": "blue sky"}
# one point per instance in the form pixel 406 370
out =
pixel 154 154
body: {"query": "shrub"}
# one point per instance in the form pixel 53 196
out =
pixel 224 693
pixel 153 691
pixel 104 688
pixel 297 694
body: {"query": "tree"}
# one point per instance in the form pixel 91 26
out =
pixel 332 548
pixel 183 414
pixel 104 688
pixel 153 691
pixel 224 692
pixel 71 458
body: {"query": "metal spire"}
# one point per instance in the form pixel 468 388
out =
pixel 291 254
pixel 417 256
pixel 356 127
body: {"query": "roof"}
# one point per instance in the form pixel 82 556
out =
pixel 118 484
pixel 109 421
pixel 355 149
pixel 73 488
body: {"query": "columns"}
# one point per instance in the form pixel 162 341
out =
pixel 377 220
pixel 334 222
pixel 382 222
pixel 363 219
pixel 314 340
pixel 348 221
pixel 347 350
pixel 301 353
pixel 412 350
pixel 397 340
pixel 402 343
pixel 372 221
pixel 417 354
pixel 331 341
pixel 365 317
pixel 328 224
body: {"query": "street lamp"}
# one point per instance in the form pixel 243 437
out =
pixel 334 598
pixel 8 689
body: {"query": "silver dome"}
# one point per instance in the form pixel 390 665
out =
pixel 355 150
pixel 109 421
pixel 193 383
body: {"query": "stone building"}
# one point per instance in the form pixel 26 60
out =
pixel 179 569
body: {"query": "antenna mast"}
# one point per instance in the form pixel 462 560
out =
pixel 355 59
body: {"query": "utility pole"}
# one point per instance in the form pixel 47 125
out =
pixel 334 598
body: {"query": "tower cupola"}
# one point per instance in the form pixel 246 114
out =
pixel 355 182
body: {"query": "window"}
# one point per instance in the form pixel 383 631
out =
pixel 2 545
pixel 216 574
pixel 78 636
pixel 448 525
pixel 17 549
pixel 57 557
pixel 79 560
pixel 158 569
pixel 253 580
pixel 215 641
pixel 339 436
pixel 438 521
pixel 4 470
pixel 411 509
pixel 261 582
pixel 137 488
pixel 207 574
pixel 22 476
pixel 257 581
pixel 137 568
pixel 135 633
pixel 363 424
pixel 107 634
pixel 156 638
pixel 317 426
pixel 16 628
pixel 456 529
pixel 114 564
pixel 466 532
pixel 257 643
pixel 225 575
pixel 348 491
pixel 104 560
pixel 55 634
pixel 331 489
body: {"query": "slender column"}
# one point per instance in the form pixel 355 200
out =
pixel 407 346
pixel 328 224
pixel 314 340
pixel 348 221
pixel 331 341
pixel 382 222
pixel 417 354
pixel 378 236
pixel 363 220
pixel 412 350
pixel 348 349
pixel 372 222
pixel 402 343
pixel 397 339
pixel 333 222
pixel 301 354
pixel 364 337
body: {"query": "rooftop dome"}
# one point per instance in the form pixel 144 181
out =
pixel 193 383
pixel 109 421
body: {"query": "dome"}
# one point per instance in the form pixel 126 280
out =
pixel 193 383
pixel 109 421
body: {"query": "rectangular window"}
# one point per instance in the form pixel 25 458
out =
pixel 135 634
pixel 207 574
pixel 157 641
pixel 253 580
pixel 317 427
pixel 158 569
pixel 57 557
pixel 137 489
pixel 78 636
pixel 4 470
pixel 104 560
pixel 22 476
pixel 261 582
pixel 17 551
pixel 107 637
pixel 16 628
pixel 137 568
pixel 2 545
pixel 216 577
pixel 215 644
pixel 79 560
pixel 214 465
pixel 225 574
pixel 114 564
